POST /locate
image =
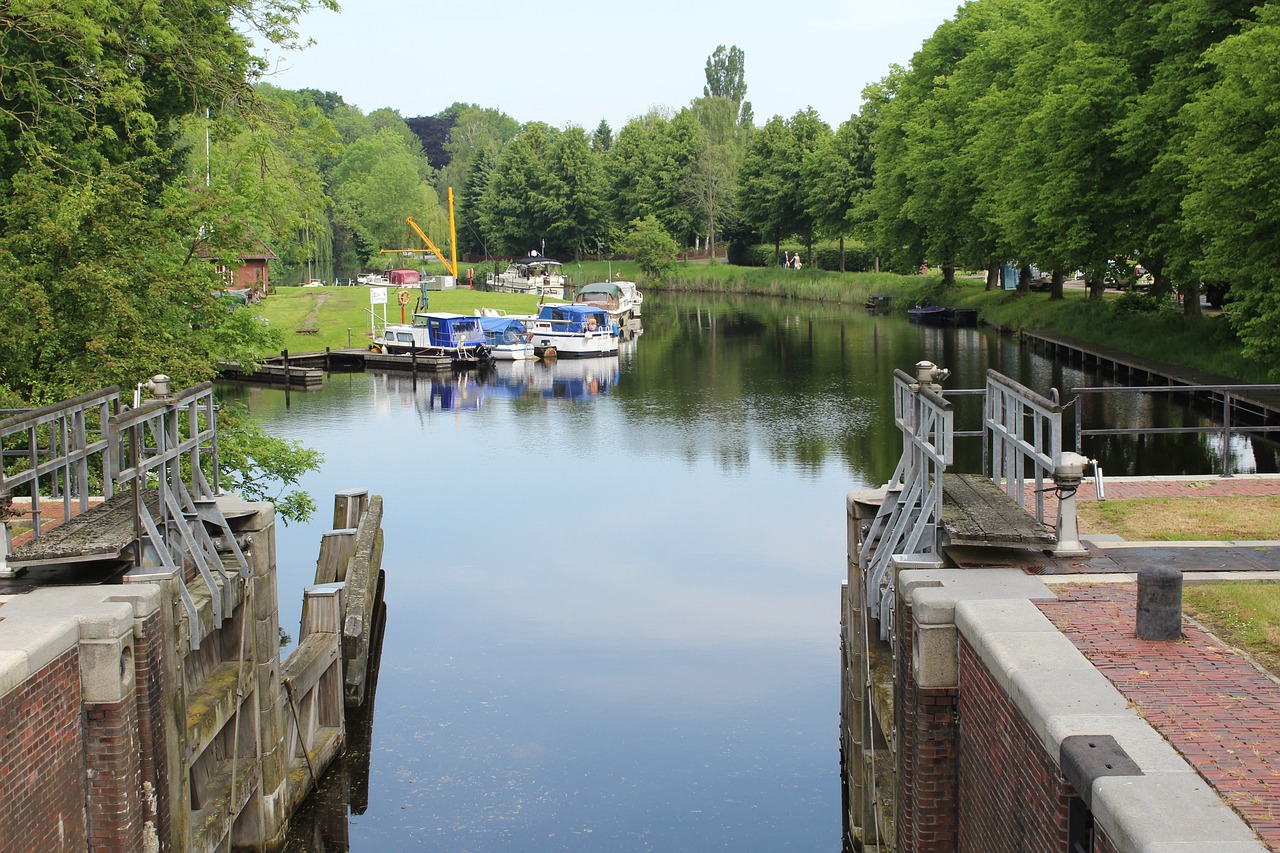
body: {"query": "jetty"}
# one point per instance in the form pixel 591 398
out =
pixel 141 676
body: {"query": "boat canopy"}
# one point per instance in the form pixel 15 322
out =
pixel 534 261
pixel 604 288
pixel 502 324
pixel 575 317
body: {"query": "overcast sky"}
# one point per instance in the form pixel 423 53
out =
pixel 576 62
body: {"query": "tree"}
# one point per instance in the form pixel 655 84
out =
pixel 837 176
pixel 1233 159
pixel 511 209
pixel 572 206
pixel 652 246
pixel 602 137
pixel 771 192
pixel 726 78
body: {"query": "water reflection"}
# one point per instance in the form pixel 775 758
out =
pixel 614 583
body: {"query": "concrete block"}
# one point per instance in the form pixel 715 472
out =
pixel 1007 653
pixel 39 641
pixel 1144 744
pixel 144 598
pixel 1169 813
pixel 935 657
pixel 1041 695
pixel 92 607
pixel 978 616
pixel 934 593
pixel 13 669
pixel 107 669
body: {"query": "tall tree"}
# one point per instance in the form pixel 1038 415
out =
pixel 726 78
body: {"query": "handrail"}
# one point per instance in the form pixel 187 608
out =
pixel 1231 396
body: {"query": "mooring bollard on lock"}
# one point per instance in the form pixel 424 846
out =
pixel 1159 603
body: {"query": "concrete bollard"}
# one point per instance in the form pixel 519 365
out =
pixel 1159 603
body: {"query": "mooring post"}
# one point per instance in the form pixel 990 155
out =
pixel 1159 603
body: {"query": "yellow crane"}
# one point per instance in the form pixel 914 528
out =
pixel 450 264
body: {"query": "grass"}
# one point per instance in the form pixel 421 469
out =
pixel 1244 614
pixel 1183 519
pixel 312 318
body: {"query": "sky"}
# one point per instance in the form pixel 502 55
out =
pixel 575 62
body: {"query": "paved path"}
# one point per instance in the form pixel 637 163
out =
pixel 1211 704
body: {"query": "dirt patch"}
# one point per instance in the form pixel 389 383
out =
pixel 311 323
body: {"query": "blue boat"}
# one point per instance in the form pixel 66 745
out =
pixel 509 339
pixel 436 333
pixel 574 331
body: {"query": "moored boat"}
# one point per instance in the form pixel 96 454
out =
pixel 436 333
pixel 508 338
pixel 531 273
pixel 574 331
pixel 621 299
pixel 938 315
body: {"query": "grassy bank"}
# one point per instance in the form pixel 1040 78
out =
pixel 1124 322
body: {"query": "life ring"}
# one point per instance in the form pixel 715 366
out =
pixel 403 297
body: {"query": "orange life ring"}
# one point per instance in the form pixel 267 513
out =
pixel 403 297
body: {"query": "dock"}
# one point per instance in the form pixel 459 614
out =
pixel 1256 406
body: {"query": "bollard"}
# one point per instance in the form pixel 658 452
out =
pixel 1159 603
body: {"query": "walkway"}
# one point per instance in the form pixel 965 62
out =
pixel 1207 700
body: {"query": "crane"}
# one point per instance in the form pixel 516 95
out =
pixel 451 264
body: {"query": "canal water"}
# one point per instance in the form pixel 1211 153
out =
pixel 613 584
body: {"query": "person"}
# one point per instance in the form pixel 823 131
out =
pixel 796 260
pixel 786 258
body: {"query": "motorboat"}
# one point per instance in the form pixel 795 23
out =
pixel 938 315
pixel 574 330
pixel 458 336
pixel 532 273
pixel 620 298
pixel 508 338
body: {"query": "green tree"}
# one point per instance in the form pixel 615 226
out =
pixel 572 205
pixel 726 78
pixel 1233 158
pixel 652 246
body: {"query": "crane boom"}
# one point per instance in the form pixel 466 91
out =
pixel 452 264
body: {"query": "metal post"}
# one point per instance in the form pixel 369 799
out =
pixel 1226 434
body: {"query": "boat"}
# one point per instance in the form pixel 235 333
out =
pixel 436 333
pixel 532 273
pixel 574 331
pixel 620 298
pixel 508 338
pixel 938 315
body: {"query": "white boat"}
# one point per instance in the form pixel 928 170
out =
pixel 620 298
pixel 530 274
pixel 508 338
pixel 574 331
pixel 436 333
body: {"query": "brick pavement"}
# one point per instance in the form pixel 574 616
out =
pixel 1206 699
pixel 1126 488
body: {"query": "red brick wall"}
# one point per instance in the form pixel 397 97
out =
pixel 42 779
pixel 927 755
pixel 150 685
pixel 1012 796
pixel 112 778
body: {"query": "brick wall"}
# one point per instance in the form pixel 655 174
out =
pixel 927 755
pixel 150 686
pixel 1012 796
pixel 112 775
pixel 42 779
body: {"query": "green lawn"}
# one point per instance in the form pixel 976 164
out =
pixel 312 318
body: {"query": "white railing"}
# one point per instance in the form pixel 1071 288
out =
pixel 908 519
pixel 1024 431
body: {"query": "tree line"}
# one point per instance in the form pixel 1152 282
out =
pixel 1077 135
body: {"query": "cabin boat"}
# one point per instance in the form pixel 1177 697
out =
pixel 574 331
pixel 532 273
pixel 508 338
pixel 620 298
pixel 436 333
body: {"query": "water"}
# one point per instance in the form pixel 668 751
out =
pixel 614 598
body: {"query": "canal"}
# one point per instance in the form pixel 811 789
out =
pixel 613 585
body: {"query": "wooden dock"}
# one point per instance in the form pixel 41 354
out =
pixel 975 511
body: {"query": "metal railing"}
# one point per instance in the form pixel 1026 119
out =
pixel 1232 397
pixel 1025 438
pixel 57 452
pixel 907 522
